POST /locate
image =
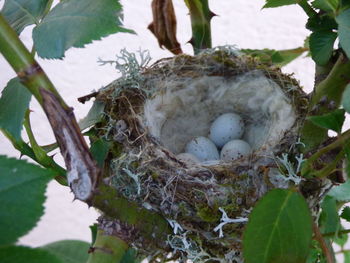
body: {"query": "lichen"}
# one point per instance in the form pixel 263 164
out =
pixel 206 205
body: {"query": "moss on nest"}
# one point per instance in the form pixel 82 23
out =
pixel 145 169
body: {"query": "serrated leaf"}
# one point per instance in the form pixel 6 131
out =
pixel 75 23
pixel 22 193
pixel 279 229
pixel 329 218
pixel 14 102
pixel 277 57
pixel 343 20
pixel 94 115
pixel 341 192
pixel 69 251
pixel 326 5
pixel 277 3
pixel 17 254
pixel 346 98
pixel 331 121
pixel 99 150
pixel 345 214
pixel 321 46
pixel 22 13
pixel 321 23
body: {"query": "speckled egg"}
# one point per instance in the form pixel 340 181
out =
pixel 227 127
pixel 234 150
pixel 203 148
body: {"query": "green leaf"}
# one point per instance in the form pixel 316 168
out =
pixel 343 21
pixel 341 240
pixel 22 193
pixel 75 23
pixel 279 229
pixel 347 257
pixel 344 4
pixel 130 256
pixel 93 229
pixel 20 145
pixel 69 251
pixel 347 159
pixel 99 150
pixel 13 104
pixel 326 5
pixel 329 218
pixel 346 98
pixel 321 23
pixel 321 46
pixel 341 192
pixel 14 254
pixel 332 121
pixel 22 13
pixel 345 214
pixel 94 115
pixel 315 255
pixel 277 3
pixel 277 57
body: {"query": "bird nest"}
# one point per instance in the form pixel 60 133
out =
pixel 151 113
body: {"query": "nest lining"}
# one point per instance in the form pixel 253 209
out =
pixel 177 99
pixel 186 108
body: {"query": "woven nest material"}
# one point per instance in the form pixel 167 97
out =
pixel 150 117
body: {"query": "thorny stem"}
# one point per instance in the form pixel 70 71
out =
pixel 341 232
pixel 326 97
pixel 339 142
pixel 342 251
pixel 78 159
pixel 27 69
pixel 330 167
pixel 307 8
pixel 326 251
pixel 200 21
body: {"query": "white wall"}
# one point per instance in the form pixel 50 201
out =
pixel 239 22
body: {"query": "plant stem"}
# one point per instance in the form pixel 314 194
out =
pixel 200 20
pixel 17 55
pixel 307 8
pixel 341 232
pixel 342 140
pixel 82 169
pixel 326 97
pixel 342 251
pixel 145 223
pixel 48 7
pixel 326 251
pixel 41 156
